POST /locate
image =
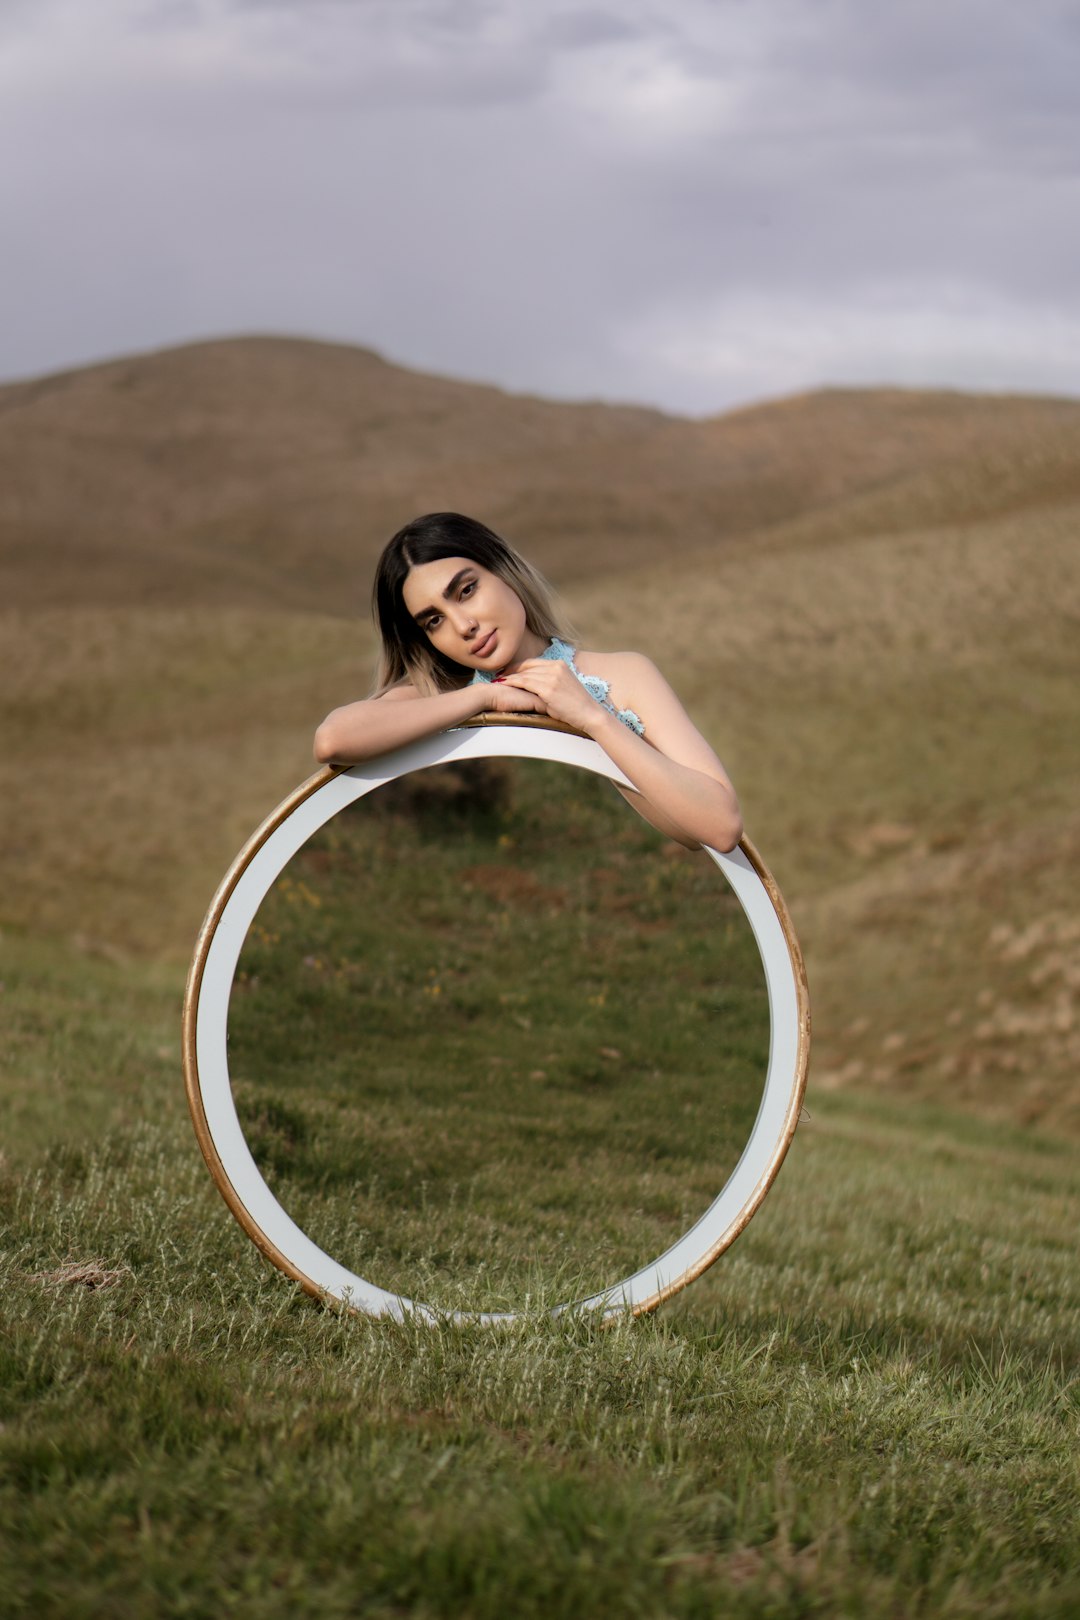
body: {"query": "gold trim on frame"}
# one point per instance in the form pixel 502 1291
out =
pixel 536 722
pixel 191 1004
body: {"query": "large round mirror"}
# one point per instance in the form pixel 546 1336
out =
pixel 461 1029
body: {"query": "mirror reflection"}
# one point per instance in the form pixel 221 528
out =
pixel 495 1042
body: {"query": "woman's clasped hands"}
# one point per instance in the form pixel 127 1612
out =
pixel 547 686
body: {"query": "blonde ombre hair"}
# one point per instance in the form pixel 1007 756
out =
pixel 406 653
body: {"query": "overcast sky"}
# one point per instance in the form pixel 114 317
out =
pixel 691 203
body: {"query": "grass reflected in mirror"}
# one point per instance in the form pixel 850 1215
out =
pixel 494 1042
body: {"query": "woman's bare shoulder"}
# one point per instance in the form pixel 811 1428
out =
pixel 637 684
pixel 610 664
pixel 620 668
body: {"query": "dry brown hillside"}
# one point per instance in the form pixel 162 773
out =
pixel 870 601
pixel 266 472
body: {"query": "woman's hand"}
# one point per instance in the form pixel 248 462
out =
pixel 556 690
pixel 502 698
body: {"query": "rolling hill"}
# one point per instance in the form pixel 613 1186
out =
pixel 268 473
pixel 869 599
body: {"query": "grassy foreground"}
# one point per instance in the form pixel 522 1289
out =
pixel 869 1406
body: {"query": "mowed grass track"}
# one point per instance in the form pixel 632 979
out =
pixel 869 1406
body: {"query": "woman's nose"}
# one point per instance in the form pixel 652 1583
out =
pixel 464 621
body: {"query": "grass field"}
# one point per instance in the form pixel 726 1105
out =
pixel 870 1404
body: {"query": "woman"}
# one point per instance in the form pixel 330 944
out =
pixel 467 627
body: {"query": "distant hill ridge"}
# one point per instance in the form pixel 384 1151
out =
pixel 266 471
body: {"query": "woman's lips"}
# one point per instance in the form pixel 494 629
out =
pixel 480 649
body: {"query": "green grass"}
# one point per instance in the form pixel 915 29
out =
pixel 868 1413
pixel 476 1053
pixel 868 1406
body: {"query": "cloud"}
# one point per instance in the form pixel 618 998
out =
pixel 750 345
pixel 690 202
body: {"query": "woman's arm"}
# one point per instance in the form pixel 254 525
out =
pixel 376 725
pixel 686 791
pixel 642 807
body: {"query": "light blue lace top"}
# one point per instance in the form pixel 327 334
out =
pixel 595 685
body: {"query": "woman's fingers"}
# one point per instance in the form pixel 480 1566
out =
pixel 563 695
pixel 510 700
pixel 529 679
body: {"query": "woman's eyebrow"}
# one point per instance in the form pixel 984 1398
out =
pixel 446 595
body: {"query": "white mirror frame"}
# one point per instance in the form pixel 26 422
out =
pixel 217 952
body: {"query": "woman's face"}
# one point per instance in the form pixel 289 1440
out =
pixel 469 613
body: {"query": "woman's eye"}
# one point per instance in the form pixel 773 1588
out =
pixel 433 624
pixel 468 588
